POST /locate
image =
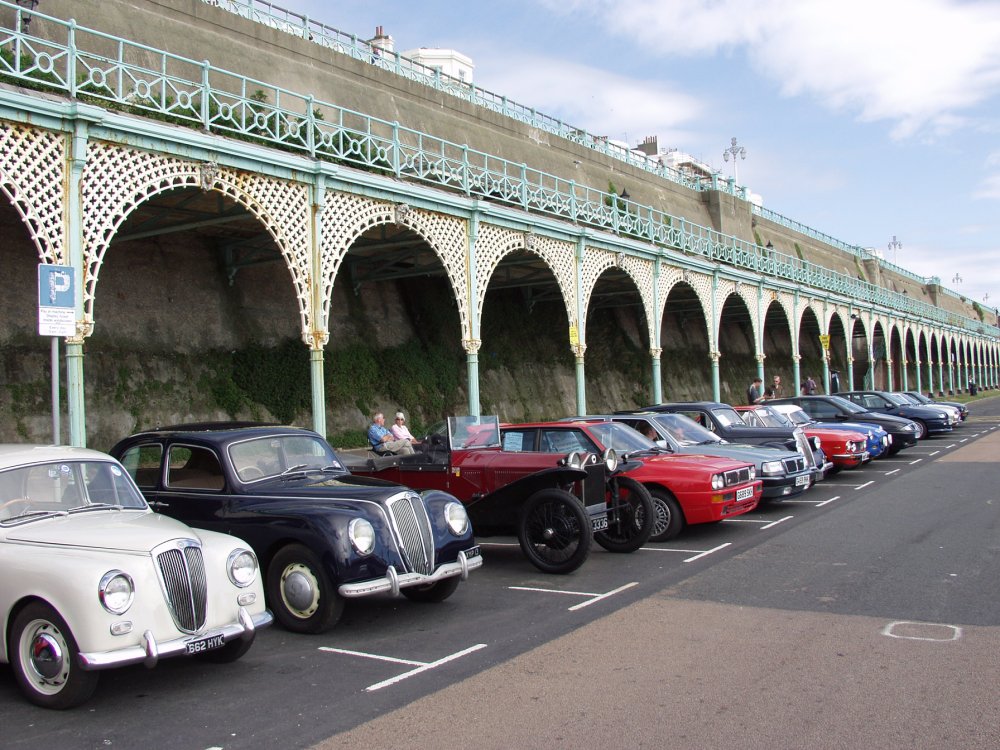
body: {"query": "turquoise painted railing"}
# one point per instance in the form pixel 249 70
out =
pixel 94 66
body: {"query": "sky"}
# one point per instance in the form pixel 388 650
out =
pixel 873 121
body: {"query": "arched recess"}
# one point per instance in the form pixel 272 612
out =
pixel 908 367
pixel 346 217
pixel 896 354
pixel 861 356
pixel 811 348
pixel 116 180
pixel 925 357
pixel 596 262
pixel 32 176
pixel 685 338
pixel 778 347
pixel 738 347
pixel 878 371
pixel 616 316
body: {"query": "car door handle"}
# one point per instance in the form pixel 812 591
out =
pixel 159 504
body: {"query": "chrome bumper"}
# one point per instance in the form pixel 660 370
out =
pixel 393 581
pixel 149 652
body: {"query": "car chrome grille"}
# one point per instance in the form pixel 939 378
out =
pixel 804 446
pixel 413 529
pixel 182 574
pixel 794 465
pixel 737 476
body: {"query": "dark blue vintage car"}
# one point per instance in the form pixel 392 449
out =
pixel 321 534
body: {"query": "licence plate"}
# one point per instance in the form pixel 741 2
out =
pixel 744 493
pixel 205 644
pixel 865 456
pixel 472 552
pixel 804 479
pixel 599 524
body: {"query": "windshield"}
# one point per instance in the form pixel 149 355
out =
pixel 728 416
pixel 919 397
pixel 63 487
pixel 771 418
pixel 685 430
pixel 794 414
pixel 909 399
pixel 271 455
pixel 621 437
pixel 898 400
pixel 844 405
pixel 473 432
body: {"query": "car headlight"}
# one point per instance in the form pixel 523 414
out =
pixel 942 416
pixel 753 473
pixel 116 592
pixel 718 481
pixel 457 518
pixel 770 468
pixel 816 443
pixel 574 460
pixel 242 567
pixel 610 459
pixel 888 440
pixel 362 535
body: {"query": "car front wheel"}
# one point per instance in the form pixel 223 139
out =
pixel 300 592
pixel 631 516
pixel 554 531
pixel 669 518
pixel 923 429
pixel 44 658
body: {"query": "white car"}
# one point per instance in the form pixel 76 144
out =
pixel 91 578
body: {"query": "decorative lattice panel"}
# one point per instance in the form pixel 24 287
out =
pixel 494 243
pixel 117 179
pixel 598 260
pixel 346 217
pixel 33 177
pixel 748 295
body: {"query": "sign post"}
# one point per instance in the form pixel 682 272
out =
pixel 56 317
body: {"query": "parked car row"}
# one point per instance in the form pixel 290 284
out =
pixel 93 578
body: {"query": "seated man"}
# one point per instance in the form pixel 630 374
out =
pixel 381 439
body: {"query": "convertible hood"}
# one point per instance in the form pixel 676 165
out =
pixel 123 531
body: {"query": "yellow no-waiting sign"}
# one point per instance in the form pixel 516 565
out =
pixel 824 341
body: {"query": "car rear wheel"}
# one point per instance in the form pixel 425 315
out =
pixel 923 429
pixel 432 592
pixel 554 531
pixel 669 518
pixel 631 516
pixel 45 659
pixel 300 592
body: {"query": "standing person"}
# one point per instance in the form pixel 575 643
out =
pixel 810 387
pixel 400 431
pixel 834 382
pixel 776 390
pixel 381 439
pixel 754 393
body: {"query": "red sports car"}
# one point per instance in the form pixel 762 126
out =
pixel 686 489
pixel 846 449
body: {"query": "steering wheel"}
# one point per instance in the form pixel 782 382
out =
pixel 251 472
pixel 15 501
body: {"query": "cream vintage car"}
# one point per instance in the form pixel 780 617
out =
pixel 91 578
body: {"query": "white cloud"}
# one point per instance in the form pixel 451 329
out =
pixel 915 63
pixel 597 100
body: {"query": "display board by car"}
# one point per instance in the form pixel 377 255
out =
pixel 321 534
pixel 91 578
pixel 556 503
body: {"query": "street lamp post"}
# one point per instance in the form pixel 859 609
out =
pixel 895 246
pixel 736 151
pixel 956 279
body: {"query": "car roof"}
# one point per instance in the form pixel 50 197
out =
pixel 17 454
pixel 221 432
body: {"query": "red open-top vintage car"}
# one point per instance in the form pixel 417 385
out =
pixel 556 503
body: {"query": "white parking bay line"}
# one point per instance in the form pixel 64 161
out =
pixel 862 486
pixel 766 524
pixel 420 666
pixel 817 503
pixel 593 597
pixel 894 471
pixel 775 523
pixel 934 453
pixel 916 462
pixel 707 552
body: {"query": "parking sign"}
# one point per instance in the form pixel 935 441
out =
pixel 56 300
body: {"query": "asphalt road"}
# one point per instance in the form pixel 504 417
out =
pixel 863 614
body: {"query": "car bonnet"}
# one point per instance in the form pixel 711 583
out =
pixel 136 531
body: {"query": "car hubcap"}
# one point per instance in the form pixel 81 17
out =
pixel 43 653
pixel 300 590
